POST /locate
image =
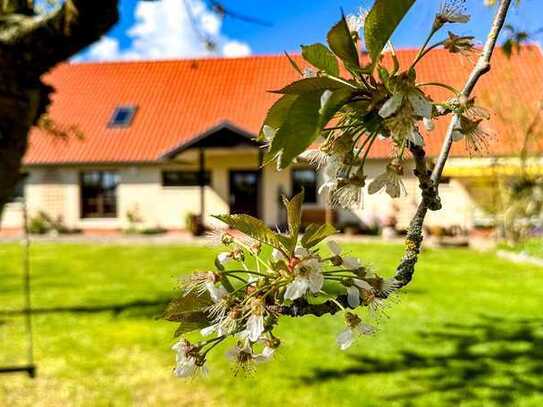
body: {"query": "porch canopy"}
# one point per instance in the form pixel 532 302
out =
pixel 223 135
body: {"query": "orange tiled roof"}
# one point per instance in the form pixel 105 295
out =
pixel 180 100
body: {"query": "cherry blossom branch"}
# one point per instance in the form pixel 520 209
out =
pixel 428 185
pixel 481 68
pixel 406 268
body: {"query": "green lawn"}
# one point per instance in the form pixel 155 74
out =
pixel 532 247
pixel 468 331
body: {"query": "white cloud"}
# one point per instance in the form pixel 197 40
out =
pixel 164 30
pixel 234 49
pixel 105 49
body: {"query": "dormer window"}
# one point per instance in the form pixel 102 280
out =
pixel 123 116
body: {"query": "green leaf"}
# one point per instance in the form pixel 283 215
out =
pixel 381 22
pixel 256 229
pixel 294 218
pixel 294 64
pixel 314 234
pixel 303 124
pixel 309 85
pixel 337 100
pixel 342 44
pixel 321 57
pixel 300 129
pixel 277 113
pixel 189 310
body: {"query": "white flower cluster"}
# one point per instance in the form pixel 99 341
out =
pixel 246 303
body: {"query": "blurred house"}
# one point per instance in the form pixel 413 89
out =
pixel 161 140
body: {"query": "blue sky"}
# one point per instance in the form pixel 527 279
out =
pixel 163 29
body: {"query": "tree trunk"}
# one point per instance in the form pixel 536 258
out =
pixel 29 47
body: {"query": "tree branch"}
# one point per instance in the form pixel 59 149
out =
pixel 481 68
pixel 413 243
pixel 25 7
pixel 406 268
pixel 56 37
pixel 427 186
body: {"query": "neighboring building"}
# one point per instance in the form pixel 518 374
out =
pixel 148 128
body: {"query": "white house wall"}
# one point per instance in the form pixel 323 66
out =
pixel 56 191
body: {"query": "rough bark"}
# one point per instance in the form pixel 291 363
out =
pixel 29 47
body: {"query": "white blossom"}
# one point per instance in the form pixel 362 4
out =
pixel 317 158
pixel 224 258
pixel 348 195
pixel 186 363
pixel 255 327
pixel 391 180
pixel 353 296
pixel 216 293
pixel 353 292
pixel 350 262
pixel 391 106
pixel 420 104
pixel 309 277
pixel 356 22
pixel 355 328
pixel 453 11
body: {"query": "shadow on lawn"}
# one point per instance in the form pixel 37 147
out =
pixel 495 360
pixel 139 308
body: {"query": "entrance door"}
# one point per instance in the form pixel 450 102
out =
pixel 245 192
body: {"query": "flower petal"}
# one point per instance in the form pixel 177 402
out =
pixel 393 189
pixel 334 247
pixel 255 327
pixel 378 183
pixel 209 330
pixel 352 263
pixel 391 106
pixel 345 339
pixel 296 289
pixel 421 106
pixel 316 281
pixel 362 284
pixel 416 138
pixel 353 297
pixel 216 293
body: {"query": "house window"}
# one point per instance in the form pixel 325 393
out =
pixel 122 116
pixel 184 178
pixel 19 192
pixel 99 194
pixel 307 179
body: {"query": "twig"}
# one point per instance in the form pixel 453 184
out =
pixel 482 67
pixel 428 188
pixel 406 268
pixel 413 242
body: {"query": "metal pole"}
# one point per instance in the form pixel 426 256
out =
pixel 201 181
pixel 27 290
pixel 30 368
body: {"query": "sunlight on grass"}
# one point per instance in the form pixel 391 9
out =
pixel 467 331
